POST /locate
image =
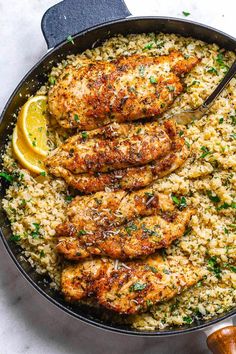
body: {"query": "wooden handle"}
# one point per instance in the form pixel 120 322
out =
pixel 223 341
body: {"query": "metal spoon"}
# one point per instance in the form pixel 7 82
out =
pixel 189 116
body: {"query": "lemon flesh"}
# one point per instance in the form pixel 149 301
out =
pixel 32 121
pixel 27 157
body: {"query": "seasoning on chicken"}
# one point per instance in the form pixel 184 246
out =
pixel 104 209
pixel 137 238
pixel 128 178
pixel 141 144
pixel 130 287
pixel 128 88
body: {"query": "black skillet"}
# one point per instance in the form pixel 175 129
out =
pixel 90 22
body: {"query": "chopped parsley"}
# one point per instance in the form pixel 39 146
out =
pixel 180 202
pixel 148 46
pixel 185 13
pixel 181 133
pixel 82 232
pixel 160 44
pixel 149 194
pixel 130 228
pixel 42 254
pixel 220 61
pixel 69 198
pixel 138 286
pixel 187 144
pixel 35 233
pixel 212 70
pixel 187 319
pixel 153 269
pixel 6 176
pixel 43 173
pixel 52 80
pixel 214 267
pixel 138 130
pixel 187 231
pixel 14 238
pixel 233 120
pixel 149 303
pixel 233 136
pixel 170 88
pixel 221 120
pixel 84 135
pixel 70 39
pixel 213 198
pixel 227 206
pixel 206 152
pixel 166 271
pixel 76 117
pixel 153 80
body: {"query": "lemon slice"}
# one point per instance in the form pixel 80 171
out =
pixel 32 121
pixel 27 157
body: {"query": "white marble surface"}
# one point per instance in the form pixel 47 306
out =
pixel 28 323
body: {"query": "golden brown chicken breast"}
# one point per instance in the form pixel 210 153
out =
pixel 129 287
pixel 125 89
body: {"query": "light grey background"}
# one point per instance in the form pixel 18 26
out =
pixel 28 323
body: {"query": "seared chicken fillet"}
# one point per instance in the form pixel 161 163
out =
pixel 128 88
pixel 136 239
pixel 104 209
pixel 127 178
pixel 141 144
pixel 139 237
pixel 130 287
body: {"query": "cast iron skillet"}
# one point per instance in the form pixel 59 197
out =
pixel 104 18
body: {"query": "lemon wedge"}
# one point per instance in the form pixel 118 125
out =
pixel 32 121
pixel 27 157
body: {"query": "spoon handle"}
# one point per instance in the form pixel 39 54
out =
pixel 230 74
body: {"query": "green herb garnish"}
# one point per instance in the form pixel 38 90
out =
pixel 6 176
pixel 52 80
pixel 14 238
pixel 42 254
pixel 206 152
pixel 148 46
pixel 214 267
pixel 153 80
pixel 212 71
pixel 180 202
pixel 35 233
pixel 137 286
pixel 84 135
pixel 187 319
pixel 170 88
pixel 221 120
pixel 227 206
pixel 185 13
pixel 213 198
pixel 76 117
pixel 82 232
pixel 43 173
pixel 130 228
pixel 69 198
pixel 70 39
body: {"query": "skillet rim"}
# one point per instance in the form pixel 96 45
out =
pixel 94 323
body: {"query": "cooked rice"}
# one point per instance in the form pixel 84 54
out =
pixel 35 207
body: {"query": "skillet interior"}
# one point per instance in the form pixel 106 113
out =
pixel 32 81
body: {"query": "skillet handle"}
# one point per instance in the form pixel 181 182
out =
pixel 70 17
pixel 223 341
